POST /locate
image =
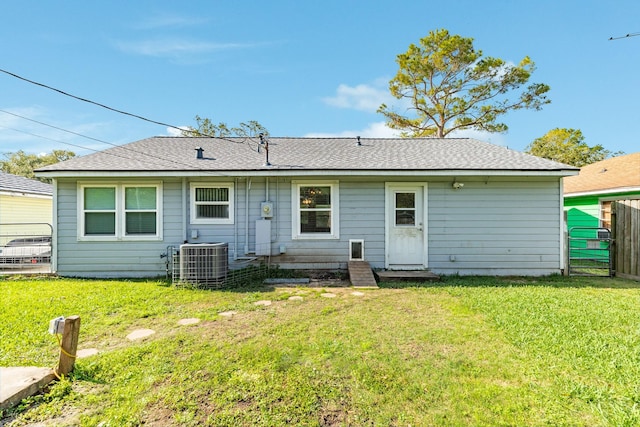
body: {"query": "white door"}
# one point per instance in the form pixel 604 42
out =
pixel 405 228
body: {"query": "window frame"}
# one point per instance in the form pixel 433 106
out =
pixel 296 233
pixel 120 211
pixel 230 203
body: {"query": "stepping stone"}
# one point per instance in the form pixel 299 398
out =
pixel 328 295
pixel 140 333
pixel 265 303
pixel 296 298
pixel 189 321
pixel 86 352
pixel 227 313
pixel 357 294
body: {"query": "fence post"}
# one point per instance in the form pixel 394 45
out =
pixel 69 345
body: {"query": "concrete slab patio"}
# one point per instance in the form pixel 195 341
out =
pixel 19 383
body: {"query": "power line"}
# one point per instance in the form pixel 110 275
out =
pixel 50 139
pixel 165 161
pixel 90 101
pixel 58 128
pixel 625 36
pixel 124 148
pixel 182 130
pixel 246 140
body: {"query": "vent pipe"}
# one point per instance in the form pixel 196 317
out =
pixel 265 142
pixel 358 144
pixel 199 151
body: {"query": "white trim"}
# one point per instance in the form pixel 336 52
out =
pixel 119 211
pixel 351 242
pixel 25 194
pixel 388 217
pixel 184 206
pixel 230 203
pixel 295 210
pixel 562 225
pixel 274 172
pixel 54 226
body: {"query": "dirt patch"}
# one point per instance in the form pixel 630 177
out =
pixel 332 418
pixel 158 415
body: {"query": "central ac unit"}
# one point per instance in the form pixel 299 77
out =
pixel 204 263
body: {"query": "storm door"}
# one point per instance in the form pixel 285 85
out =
pixel 406 241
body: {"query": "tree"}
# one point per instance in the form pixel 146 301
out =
pixel 207 128
pixel 568 146
pixel 450 86
pixel 23 164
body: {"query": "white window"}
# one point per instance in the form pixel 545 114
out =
pixel 211 203
pixel 315 210
pixel 119 211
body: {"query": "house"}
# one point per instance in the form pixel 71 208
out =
pixel 454 206
pixel 601 192
pixel 25 206
pixel 588 196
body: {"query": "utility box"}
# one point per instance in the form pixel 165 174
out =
pixel 263 237
pixel 56 326
pixel 266 209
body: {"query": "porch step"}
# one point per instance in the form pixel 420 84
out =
pixel 361 275
pixel 408 275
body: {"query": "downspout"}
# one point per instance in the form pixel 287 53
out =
pixel 184 210
pixel 266 189
pixel 54 231
pixel 275 212
pixel 246 216
pixel 235 220
pixel 563 232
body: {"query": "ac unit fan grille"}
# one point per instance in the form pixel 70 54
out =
pixel 204 263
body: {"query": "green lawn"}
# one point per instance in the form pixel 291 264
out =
pixel 465 351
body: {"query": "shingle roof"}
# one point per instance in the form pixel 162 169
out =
pixel 20 184
pixel 308 154
pixel 615 174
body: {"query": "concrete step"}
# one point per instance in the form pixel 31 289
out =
pixel 408 275
pixel 361 275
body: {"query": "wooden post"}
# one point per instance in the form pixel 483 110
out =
pixel 69 345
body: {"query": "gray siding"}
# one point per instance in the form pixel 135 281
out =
pixel 497 226
pixel 113 258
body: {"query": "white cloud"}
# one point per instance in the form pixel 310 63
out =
pixel 362 97
pixel 176 47
pixel 494 138
pixel 176 132
pixel 168 21
pixel 373 130
pixel 381 130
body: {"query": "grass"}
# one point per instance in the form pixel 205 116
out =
pixel 466 351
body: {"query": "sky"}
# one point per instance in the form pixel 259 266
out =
pixel 300 68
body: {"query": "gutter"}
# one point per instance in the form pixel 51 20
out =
pixel 309 172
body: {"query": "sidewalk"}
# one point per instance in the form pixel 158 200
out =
pixel 18 383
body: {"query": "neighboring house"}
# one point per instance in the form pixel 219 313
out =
pixel 590 200
pixel 588 196
pixel 454 206
pixel 24 201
